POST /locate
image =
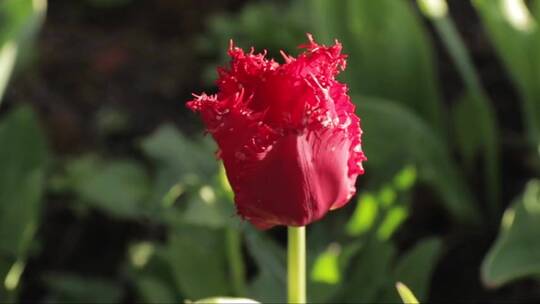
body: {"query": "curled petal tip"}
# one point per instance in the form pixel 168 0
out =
pixel 286 57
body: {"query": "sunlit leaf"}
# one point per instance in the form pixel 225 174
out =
pixel 387 196
pixel 516 252
pixel 19 19
pixel 8 55
pixel 392 220
pixel 433 8
pixel 406 294
pixel 13 276
pixel 405 178
pixel 141 253
pixel 326 266
pixel 364 215
pixel 325 276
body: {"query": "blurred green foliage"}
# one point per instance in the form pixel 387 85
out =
pixel 413 142
pixel 67 288
pixel 514 32
pixel 386 44
pixel 516 252
pixel 175 181
pixel 23 159
pixel 474 121
pixel 385 55
pixel 19 19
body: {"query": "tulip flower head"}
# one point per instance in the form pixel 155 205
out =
pixel 287 134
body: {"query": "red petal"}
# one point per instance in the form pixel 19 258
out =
pixel 296 182
pixel 288 134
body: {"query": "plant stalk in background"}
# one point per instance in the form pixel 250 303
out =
pixel 476 132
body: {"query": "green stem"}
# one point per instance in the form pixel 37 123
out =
pixel 236 261
pixel 297 265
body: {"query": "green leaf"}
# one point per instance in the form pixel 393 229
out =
pixel 433 8
pixel 364 215
pixel 198 260
pixel 11 281
pixel 516 37
pixel 8 55
pixel 385 211
pixel 516 252
pixel 394 137
pixel 326 267
pixel 19 19
pixel 154 290
pixel 180 163
pixel 326 274
pixel 269 285
pixel 149 268
pixel 475 119
pixel 416 266
pixel 119 188
pixel 168 147
pixel 386 41
pixel 367 273
pixel 406 178
pixel 73 288
pixel 469 141
pixel 23 158
pixel 392 220
pixel 205 214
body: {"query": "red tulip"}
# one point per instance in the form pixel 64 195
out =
pixel 287 134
